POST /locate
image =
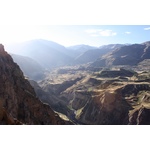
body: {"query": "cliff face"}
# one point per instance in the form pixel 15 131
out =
pixel 18 99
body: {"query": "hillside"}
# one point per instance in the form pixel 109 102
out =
pixel 77 50
pixel 30 67
pixel 47 53
pixel 93 54
pixel 126 55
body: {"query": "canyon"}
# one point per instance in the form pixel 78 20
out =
pixel 107 85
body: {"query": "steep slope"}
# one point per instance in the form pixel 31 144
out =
pixel 47 53
pixel 51 98
pixel 126 55
pixel 30 67
pixel 19 103
pixel 53 86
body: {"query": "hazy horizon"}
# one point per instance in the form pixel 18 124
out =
pixel 70 35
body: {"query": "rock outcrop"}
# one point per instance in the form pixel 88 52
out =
pixel 19 104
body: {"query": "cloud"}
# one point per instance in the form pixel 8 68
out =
pixel 127 32
pixel 147 28
pixel 107 33
pixel 100 32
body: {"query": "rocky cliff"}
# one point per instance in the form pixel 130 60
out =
pixel 18 101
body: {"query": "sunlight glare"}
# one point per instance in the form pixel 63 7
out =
pixel 13 33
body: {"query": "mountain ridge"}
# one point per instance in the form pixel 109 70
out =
pixel 47 53
pixel 126 55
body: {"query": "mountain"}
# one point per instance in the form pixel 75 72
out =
pixel 112 46
pixel 47 53
pixel 77 50
pixel 29 66
pixel 147 43
pixel 18 101
pixel 51 54
pixel 93 54
pixel 125 55
pixel 81 48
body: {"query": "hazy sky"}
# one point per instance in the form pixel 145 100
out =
pixel 68 35
pixel 71 22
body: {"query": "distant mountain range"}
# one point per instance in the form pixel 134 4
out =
pixel 43 54
pixel 77 50
pixel 125 55
pixel 93 54
pixel 47 53
pixel 50 54
pixel 37 55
